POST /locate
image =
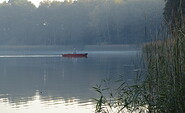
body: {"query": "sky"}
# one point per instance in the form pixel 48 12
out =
pixel 35 2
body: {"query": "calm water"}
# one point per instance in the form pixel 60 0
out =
pixel 52 84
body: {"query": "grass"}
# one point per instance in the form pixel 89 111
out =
pixel 162 91
pixel 166 73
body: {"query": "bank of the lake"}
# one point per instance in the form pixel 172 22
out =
pixel 163 89
pixel 71 47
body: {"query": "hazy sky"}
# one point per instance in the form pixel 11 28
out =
pixel 36 2
pixel 159 2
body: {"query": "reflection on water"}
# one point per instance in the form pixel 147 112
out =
pixel 51 83
pixel 38 104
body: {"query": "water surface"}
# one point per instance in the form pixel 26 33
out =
pixel 49 83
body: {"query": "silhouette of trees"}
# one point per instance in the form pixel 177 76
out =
pixel 72 23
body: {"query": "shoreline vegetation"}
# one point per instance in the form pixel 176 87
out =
pixel 77 22
pixel 165 77
pixel 121 47
pixel 163 89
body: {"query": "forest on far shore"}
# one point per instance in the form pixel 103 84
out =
pixel 82 22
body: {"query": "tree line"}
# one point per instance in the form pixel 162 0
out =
pixel 82 22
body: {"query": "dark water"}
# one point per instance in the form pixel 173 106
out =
pixel 52 84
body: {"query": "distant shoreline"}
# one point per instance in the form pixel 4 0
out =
pixel 124 47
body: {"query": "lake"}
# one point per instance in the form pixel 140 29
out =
pixel 49 83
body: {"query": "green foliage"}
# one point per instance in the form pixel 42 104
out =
pixel 121 98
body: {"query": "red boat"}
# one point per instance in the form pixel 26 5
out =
pixel 75 55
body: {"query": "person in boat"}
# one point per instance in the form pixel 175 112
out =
pixel 74 51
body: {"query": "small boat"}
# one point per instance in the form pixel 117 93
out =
pixel 75 55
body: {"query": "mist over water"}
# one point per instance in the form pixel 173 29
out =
pixel 82 22
pixel 34 77
pixel 52 83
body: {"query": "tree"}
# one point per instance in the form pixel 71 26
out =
pixel 81 22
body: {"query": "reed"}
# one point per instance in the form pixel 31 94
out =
pixel 162 91
pixel 166 73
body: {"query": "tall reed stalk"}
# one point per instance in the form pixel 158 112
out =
pixel 166 70
pixel 166 73
pixel 163 90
